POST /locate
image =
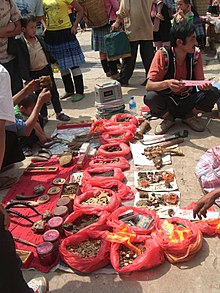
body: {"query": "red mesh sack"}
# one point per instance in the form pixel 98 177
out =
pixel 94 174
pixel 113 220
pixel 122 190
pixel 97 126
pixel 124 117
pixel 98 225
pixel 149 254
pixel 113 204
pixel 117 162
pixel 90 263
pixel 114 150
pixel 179 238
pixel 110 125
pixel 118 135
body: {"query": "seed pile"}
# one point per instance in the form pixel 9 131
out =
pixel 88 248
pixel 114 148
pixel 80 223
pixel 102 198
pixel 106 161
pixel 127 256
pixel 109 173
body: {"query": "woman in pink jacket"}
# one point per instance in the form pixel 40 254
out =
pixel 109 67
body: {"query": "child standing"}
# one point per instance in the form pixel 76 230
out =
pixel 34 61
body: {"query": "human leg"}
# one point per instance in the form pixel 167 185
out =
pixel 68 83
pixel 104 63
pixel 147 54
pixel 79 85
pixel 128 64
pixel 16 80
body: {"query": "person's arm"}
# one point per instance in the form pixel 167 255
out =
pixel 44 97
pixel 27 90
pixel 2 144
pixel 80 12
pixel 6 217
pixel 40 133
pixel 204 203
pixel 11 30
pixel 173 84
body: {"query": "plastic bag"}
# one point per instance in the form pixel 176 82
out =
pixel 117 162
pixel 209 227
pixel 87 264
pixel 152 256
pixel 113 220
pixel 179 238
pixel 118 135
pixel 208 170
pixel 122 190
pixel 110 125
pixel 113 204
pixel 106 172
pixel 98 126
pixel 99 225
pixel 114 150
pixel 124 117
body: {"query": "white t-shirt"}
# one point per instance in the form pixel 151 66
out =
pixel 6 102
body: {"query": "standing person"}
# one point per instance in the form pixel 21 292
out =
pixel 10 26
pixel 136 16
pixel 11 278
pixel 167 96
pixel 162 24
pixel 60 37
pixel 32 7
pixel 109 67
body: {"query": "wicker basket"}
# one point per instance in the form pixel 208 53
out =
pixel 201 6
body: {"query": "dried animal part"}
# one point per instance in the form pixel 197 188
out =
pixel 103 174
pixel 88 248
pixel 80 223
pixel 54 190
pixel 43 198
pixel 114 148
pixel 39 189
pixel 153 201
pixel 101 197
pixel 47 215
pixel 150 177
pixel 59 181
pixel 127 256
pixel 39 227
pixel 45 82
pixel 65 160
pixel 145 125
pixel 70 190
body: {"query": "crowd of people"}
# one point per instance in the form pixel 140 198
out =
pixel 36 33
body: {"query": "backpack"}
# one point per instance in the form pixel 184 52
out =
pixel 95 13
pixel 192 59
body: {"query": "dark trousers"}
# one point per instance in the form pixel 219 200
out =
pixel 128 64
pixel 13 152
pixel 178 107
pixel 55 95
pixel 16 80
pixel 11 278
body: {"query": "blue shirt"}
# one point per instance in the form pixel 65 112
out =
pixel 18 127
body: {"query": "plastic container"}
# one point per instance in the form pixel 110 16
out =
pixel 56 223
pixel 132 106
pixel 46 253
pixel 52 236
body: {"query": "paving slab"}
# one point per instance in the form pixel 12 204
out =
pixel 201 274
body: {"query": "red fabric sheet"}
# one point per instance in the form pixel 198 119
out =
pixel 20 227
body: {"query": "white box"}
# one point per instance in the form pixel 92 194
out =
pixel 107 92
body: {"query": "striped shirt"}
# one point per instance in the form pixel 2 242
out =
pixel 8 12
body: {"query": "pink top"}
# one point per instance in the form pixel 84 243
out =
pixel 111 7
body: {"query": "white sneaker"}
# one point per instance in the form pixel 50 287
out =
pixel 39 284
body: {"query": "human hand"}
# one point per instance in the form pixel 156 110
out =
pixel 115 27
pixel 205 87
pixel 44 96
pixel 32 86
pixel 10 27
pixel 6 217
pixel 175 85
pixel 73 30
pixel 203 204
pixel 44 138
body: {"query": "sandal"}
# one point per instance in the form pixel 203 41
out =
pixel 78 97
pixel 27 151
pixel 63 117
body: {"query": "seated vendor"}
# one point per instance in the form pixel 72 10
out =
pixel 167 96
pixel 23 111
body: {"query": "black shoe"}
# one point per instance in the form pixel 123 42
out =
pixel 144 83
